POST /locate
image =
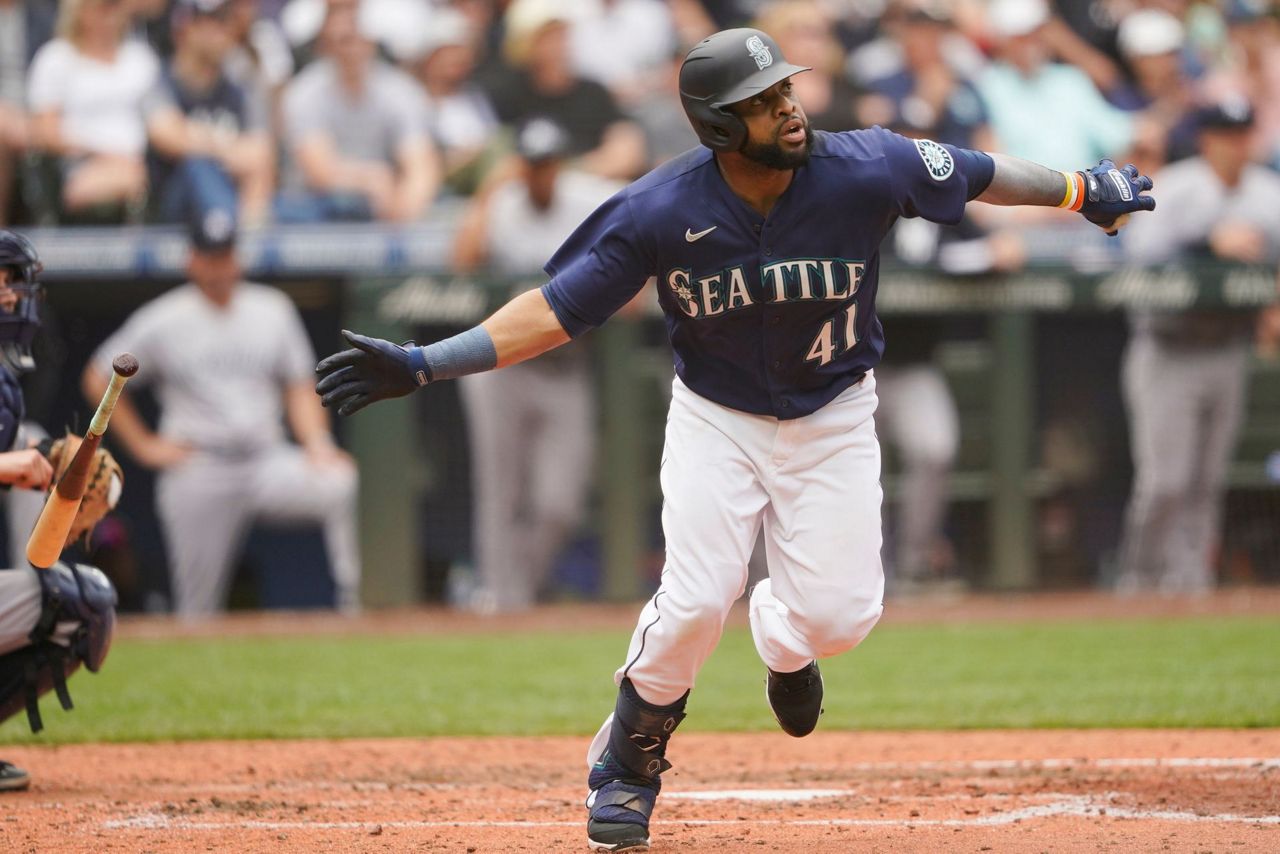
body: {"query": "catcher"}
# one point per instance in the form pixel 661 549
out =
pixel 54 620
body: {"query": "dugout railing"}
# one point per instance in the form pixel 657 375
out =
pixel 390 282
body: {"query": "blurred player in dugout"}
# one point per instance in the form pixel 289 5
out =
pixel 229 362
pixel 530 426
pixel 1185 372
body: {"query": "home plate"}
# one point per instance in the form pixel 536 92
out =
pixel 760 794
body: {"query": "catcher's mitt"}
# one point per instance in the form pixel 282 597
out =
pixel 106 482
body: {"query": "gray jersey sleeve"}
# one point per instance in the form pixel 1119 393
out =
pixel 297 356
pixel 139 336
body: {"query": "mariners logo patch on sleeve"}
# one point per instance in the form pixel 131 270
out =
pixel 936 159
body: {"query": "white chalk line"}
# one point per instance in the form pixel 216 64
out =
pixel 1073 806
pixel 980 765
pixel 1061 805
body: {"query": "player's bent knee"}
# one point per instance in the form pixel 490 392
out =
pixel 839 624
pixel 338 487
pixel 693 616
pixel 1158 499
pixel 76 595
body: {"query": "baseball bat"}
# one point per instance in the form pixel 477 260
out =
pixel 50 533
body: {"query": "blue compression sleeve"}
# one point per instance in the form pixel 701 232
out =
pixel 470 352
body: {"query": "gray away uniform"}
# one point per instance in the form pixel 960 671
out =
pixel 530 425
pixel 219 377
pixel 1184 380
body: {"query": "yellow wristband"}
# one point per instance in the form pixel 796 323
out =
pixel 1069 196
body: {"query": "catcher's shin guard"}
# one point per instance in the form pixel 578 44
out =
pixel 626 778
pixel 76 594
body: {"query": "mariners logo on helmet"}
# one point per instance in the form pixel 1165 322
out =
pixel 936 159
pixel 759 52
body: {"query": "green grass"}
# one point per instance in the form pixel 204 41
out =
pixel 1167 673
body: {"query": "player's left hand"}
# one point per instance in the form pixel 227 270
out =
pixel 1112 194
pixel 372 370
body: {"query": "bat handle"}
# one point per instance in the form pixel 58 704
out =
pixel 107 405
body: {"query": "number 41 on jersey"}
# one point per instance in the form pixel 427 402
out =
pixel 824 346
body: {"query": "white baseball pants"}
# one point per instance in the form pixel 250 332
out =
pixel 812 485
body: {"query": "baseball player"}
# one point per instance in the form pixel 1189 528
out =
pixel 530 428
pixel 230 361
pixel 764 243
pixel 53 620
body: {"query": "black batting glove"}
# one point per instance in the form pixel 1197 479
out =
pixel 1107 195
pixel 372 370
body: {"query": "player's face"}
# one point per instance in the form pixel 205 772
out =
pixel 216 272
pixel 778 133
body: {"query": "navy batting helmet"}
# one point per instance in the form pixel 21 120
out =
pixel 724 68
pixel 20 302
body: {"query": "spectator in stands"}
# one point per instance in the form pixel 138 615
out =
pixel 260 61
pixel 229 362
pixel 459 113
pixel 1184 372
pixel 209 142
pixel 661 116
pixel 927 92
pixel 531 426
pixel 1068 45
pixel 25 25
pixel 805 34
pixel 1152 41
pixel 1252 67
pixel 541 82
pixel 878 52
pixel 1096 23
pixel 149 22
pixel 623 45
pixel 85 91
pixel 1040 110
pixel 355 131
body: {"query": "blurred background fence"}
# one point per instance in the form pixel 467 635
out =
pixel 1033 360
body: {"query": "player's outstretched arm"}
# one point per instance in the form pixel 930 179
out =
pixel 1104 195
pixel 375 369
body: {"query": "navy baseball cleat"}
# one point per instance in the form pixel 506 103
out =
pixel 620 805
pixel 796 699
pixel 13 778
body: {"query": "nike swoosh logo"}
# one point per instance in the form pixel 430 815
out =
pixel 690 235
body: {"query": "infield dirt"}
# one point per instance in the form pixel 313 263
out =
pixel 1033 791
pixel 1184 790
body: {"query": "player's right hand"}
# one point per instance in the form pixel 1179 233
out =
pixel 372 370
pixel 25 469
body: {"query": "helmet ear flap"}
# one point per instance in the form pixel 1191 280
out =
pixel 726 132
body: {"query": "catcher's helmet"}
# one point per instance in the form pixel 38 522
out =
pixel 724 68
pixel 20 321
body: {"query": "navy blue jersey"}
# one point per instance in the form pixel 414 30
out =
pixel 770 315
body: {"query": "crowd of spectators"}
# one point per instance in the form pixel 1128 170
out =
pixel 319 110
